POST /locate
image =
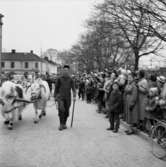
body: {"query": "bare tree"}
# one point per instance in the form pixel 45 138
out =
pixel 156 10
pixel 120 31
pixel 130 21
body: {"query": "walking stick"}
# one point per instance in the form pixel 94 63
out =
pixel 72 113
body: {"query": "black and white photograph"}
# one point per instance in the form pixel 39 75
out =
pixel 82 83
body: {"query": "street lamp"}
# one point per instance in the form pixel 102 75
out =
pixel 1 16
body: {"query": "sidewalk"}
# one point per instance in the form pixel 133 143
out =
pixel 139 132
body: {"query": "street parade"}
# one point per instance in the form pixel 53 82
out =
pixel 99 103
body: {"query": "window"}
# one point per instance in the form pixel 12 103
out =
pixel 12 65
pixel 26 65
pixel 2 64
pixel 36 65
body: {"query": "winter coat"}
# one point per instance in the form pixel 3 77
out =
pixel 63 87
pixel 130 104
pixel 115 102
pixel 151 107
pixel 142 97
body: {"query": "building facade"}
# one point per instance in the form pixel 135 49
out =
pixel 19 63
pixel 52 54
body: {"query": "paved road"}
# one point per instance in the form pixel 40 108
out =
pixel 88 144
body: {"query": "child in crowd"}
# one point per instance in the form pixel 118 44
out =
pixel 114 103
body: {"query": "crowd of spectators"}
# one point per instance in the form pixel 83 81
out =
pixel 138 98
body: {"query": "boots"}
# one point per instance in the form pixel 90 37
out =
pixel 115 130
pixel 62 124
pixel 60 127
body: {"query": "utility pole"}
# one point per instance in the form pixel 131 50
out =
pixel 1 16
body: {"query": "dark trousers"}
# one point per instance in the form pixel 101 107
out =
pixel 101 102
pixel 63 109
pixel 89 97
pixel 81 94
pixel 114 120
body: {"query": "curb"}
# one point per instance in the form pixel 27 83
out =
pixel 138 132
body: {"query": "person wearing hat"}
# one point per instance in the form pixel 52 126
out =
pixel 62 95
pixel 114 103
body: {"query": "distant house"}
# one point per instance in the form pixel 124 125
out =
pixel 48 66
pixel 19 63
pixel 52 55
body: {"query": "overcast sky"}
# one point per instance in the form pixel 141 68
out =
pixel 35 24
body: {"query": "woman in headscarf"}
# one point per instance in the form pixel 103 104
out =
pixel 143 89
pixel 131 105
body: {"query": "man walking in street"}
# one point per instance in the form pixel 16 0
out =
pixel 62 95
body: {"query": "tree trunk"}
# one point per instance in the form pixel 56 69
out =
pixel 136 65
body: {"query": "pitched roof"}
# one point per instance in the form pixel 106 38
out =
pixel 20 56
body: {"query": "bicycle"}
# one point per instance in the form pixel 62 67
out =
pixel 158 139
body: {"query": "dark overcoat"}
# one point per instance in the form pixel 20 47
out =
pixel 63 87
pixel 115 102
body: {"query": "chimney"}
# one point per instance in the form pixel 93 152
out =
pixel 31 51
pixel 13 51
